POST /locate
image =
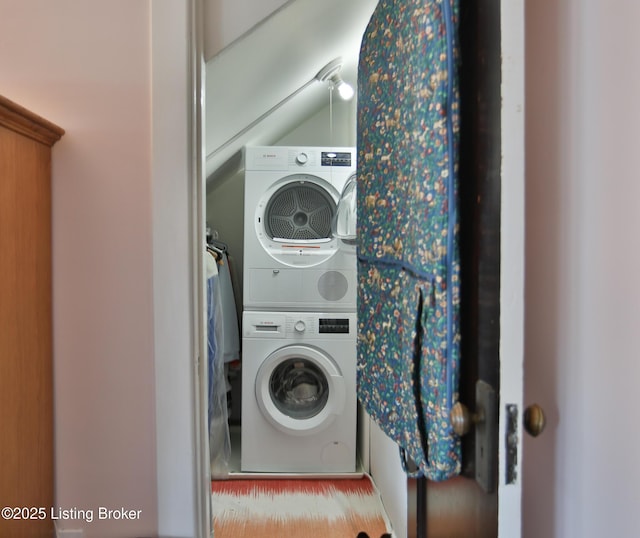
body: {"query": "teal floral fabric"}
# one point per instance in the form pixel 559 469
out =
pixel 408 259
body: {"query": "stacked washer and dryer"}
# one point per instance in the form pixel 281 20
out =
pixel 299 321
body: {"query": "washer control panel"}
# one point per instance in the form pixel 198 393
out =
pixel 297 325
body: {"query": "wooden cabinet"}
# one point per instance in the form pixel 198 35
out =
pixel 26 384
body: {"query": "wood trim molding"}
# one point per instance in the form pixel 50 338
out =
pixel 21 120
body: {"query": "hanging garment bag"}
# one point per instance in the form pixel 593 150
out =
pixel 219 436
pixel 407 240
pixel 230 335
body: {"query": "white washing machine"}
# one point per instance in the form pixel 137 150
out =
pixel 299 392
pixel 292 261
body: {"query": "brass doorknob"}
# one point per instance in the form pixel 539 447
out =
pixel 462 419
pixel 534 420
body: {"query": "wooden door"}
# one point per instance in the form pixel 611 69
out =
pixel 26 385
pixel 492 246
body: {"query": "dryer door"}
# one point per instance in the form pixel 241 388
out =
pixel 293 220
pixel 345 221
pixel 300 390
pixel 300 210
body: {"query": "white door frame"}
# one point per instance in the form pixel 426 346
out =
pixel 183 474
pixel 511 257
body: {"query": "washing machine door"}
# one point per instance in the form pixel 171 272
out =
pixel 300 390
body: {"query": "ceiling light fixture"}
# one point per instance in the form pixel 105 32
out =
pixel 331 73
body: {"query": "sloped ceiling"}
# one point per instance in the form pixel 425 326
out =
pixel 271 62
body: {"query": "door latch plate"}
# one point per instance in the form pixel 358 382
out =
pixel 486 437
pixel 512 444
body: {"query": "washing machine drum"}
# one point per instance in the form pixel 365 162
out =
pixel 299 211
pixel 299 390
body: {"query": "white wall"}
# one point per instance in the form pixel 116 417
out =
pixel 326 129
pixel 583 295
pixel 86 65
pixel 389 477
pixel 227 20
pixel 65 61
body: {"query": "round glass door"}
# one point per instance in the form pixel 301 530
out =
pixel 299 389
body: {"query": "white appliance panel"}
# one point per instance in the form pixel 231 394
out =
pixel 290 255
pixel 299 409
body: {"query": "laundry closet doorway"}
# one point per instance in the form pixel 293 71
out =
pixel 492 325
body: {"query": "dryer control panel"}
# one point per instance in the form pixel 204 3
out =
pixel 296 158
pixel 336 158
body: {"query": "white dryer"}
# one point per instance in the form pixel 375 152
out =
pixel 292 261
pixel 299 392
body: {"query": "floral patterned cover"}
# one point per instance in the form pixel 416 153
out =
pixel 408 260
